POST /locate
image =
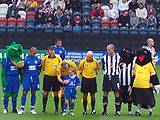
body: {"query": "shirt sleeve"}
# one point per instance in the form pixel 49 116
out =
pixel 63 54
pixel 103 64
pixel 152 69
pixel 59 58
pixel 59 70
pixel 81 66
pixel 43 62
pixel 134 69
pixel 97 67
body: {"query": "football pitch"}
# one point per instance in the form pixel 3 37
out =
pixel 78 107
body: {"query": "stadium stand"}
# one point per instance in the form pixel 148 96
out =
pixel 26 20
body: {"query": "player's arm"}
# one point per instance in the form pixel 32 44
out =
pixel 153 79
pixel 81 67
pixel 3 72
pixel 59 73
pixel 133 76
pixel 97 67
pixel 21 73
pixel 43 62
pixel 59 59
pixel 63 54
pixel 39 66
pixel 102 64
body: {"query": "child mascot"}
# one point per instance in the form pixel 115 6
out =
pixel 11 69
pixel 143 81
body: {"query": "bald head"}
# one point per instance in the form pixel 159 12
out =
pixel 150 42
pixel 110 49
pixel 33 51
pixel 89 56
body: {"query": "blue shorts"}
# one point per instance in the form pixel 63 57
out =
pixel 70 93
pixel 30 82
pixel 13 84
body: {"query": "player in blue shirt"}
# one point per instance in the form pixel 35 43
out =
pixel 10 83
pixel 71 81
pixel 59 50
pixel 30 79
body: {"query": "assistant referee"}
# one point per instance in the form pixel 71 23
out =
pixel 89 68
pixel 50 81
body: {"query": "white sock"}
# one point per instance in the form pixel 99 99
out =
pixel 149 108
pixel 139 108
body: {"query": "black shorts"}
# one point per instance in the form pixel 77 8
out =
pixel 124 94
pixel 88 85
pixel 110 85
pixel 51 83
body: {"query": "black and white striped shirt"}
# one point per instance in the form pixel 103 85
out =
pixel 110 64
pixel 126 73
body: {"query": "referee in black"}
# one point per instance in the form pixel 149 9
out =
pixel 110 67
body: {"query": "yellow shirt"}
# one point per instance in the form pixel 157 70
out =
pixel 89 69
pixel 142 75
pixel 33 4
pixel 61 72
pixel 49 65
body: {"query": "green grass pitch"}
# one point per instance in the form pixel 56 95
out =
pixel 78 108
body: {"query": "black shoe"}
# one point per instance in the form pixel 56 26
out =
pixel 137 114
pixel 43 112
pixel 14 111
pixel 93 112
pixel 84 113
pixel 117 113
pixel 150 113
pixel 104 113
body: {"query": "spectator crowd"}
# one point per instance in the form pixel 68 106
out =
pixel 114 13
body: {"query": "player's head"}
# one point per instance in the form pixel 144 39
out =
pixel 150 42
pixel 71 71
pixel 58 42
pixel 51 52
pixel 111 49
pixel 33 51
pixel 89 56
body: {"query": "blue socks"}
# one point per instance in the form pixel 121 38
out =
pixel 65 106
pixel 72 106
pixel 33 100
pixel 5 102
pixel 14 103
pixel 23 101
